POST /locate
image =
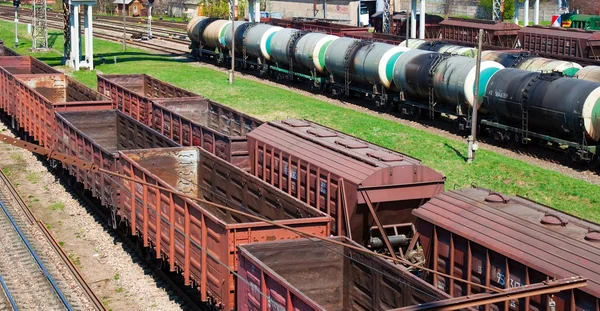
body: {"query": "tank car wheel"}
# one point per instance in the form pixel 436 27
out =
pixel 570 157
pixel 594 163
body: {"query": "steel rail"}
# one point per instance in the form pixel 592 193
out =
pixel 36 258
pixel 54 244
pixel 11 300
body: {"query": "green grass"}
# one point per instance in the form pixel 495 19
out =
pixel 490 170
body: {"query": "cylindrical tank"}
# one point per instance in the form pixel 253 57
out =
pixel 589 73
pixel 340 54
pixel 547 65
pixel 310 50
pixel 440 47
pixel 454 50
pixel 411 72
pixel 212 33
pixel 196 27
pixel 374 64
pixel 257 40
pixel 454 79
pixel 556 105
pixel 506 59
pixel 413 43
pixel 240 28
pixel 281 52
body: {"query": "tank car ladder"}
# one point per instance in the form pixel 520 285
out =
pixel 432 102
pixel 524 125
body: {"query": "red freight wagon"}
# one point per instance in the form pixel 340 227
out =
pixel 561 43
pixel 11 65
pixel 40 96
pixel 4 51
pixel 202 122
pixel 466 31
pixel 133 94
pixel 504 241
pixel 345 177
pixel 309 275
pixel 197 238
pixel 97 137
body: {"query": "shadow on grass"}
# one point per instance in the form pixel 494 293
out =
pixel 458 153
pixel 109 58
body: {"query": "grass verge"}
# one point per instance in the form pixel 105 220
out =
pixel 490 170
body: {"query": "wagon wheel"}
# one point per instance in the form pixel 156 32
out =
pixel 570 157
pixel 594 163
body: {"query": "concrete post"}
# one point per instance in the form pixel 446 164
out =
pixel 413 19
pixel 75 36
pixel 89 40
pixel 536 12
pixel 526 13
pixel 257 11
pixel 422 21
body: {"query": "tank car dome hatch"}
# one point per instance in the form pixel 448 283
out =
pixel 310 50
pixel 548 65
pixel 589 73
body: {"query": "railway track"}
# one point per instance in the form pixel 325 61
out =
pixel 30 261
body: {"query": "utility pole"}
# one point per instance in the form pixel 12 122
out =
pixel 16 4
pixel 150 2
pixel 40 31
pixel 473 137
pixel 232 50
pixel 124 26
pixel 387 17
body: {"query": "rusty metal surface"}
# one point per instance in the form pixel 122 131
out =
pixel 10 65
pixel 307 275
pixel 502 34
pixel 197 121
pixel 328 170
pixel 96 137
pixel 38 96
pixel 133 94
pixel 375 36
pixel 481 300
pixel 195 237
pixel 562 43
pixel 503 243
pixel 5 51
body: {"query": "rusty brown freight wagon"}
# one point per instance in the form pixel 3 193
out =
pixel 5 51
pixel 40 96
pixel 199 239
pixel 97 137
pixel 348 178
pixel 133 94
pixel 12 65
pixel 309 275
pixel 505 242
pixel 202 122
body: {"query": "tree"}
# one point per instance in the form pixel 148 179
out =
pixel 509 8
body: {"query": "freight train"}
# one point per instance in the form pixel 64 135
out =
pixel 333 183
pixel 420 82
